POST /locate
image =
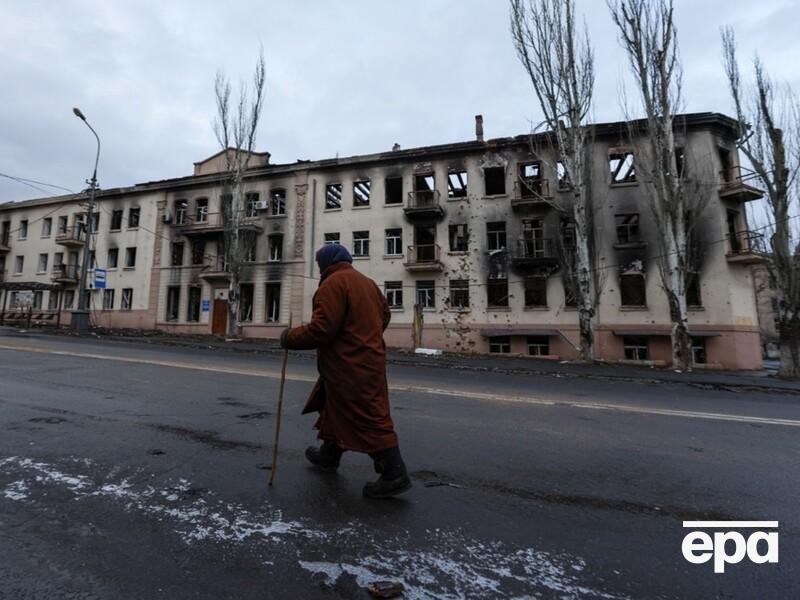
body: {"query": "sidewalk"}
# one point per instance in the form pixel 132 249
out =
pixel 738 381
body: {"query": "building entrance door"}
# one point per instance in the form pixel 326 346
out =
pixel 219 318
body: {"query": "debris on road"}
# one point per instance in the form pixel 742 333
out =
pixel 385 589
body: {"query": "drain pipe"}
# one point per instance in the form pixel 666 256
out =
pixel 313 227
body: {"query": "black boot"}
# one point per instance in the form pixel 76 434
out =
pixel 326 457
pixel 394 478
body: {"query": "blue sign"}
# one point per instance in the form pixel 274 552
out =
pixel 206 305
pixel 99 279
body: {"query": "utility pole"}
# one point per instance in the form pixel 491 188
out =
pixel 80 317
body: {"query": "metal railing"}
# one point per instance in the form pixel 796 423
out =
pixel 747 242
pixel 60 272
pixel 213 220
pixel 74 233
pixel 533 248
pixel 423 254
pixel 215 264
pixel 423 199
pixel 736 176
pixel 531 188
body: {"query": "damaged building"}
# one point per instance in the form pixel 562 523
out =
pixel 470 242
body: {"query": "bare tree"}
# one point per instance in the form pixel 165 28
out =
pixel 235 128
pixel 769 136
pixel 559 61
pixel 648 35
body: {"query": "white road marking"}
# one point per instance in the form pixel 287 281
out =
pixel 395 387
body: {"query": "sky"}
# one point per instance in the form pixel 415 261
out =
pixel 343 78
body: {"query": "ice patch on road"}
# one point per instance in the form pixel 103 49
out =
pixel 453 565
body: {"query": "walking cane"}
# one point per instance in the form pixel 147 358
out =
pixel 280 406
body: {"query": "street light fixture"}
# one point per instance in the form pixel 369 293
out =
pixel 80 317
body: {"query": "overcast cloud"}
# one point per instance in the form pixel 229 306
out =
pixel 347 77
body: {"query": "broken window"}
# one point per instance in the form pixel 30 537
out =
pixel 632 290
pixel 133 217
pixel 277 202
pixel 177 254
pixel 273 302
pixel 23 230
pixel 635 347
pixel 394 293
pixel 534 245
pixel 693 297
pixel 394 242
pixel 201 210
pixel 563 176
pixel 699 350
pixel 459 293
pixel 459 238
pixel 116 220
pixel 332 238
pixel 496 234
pixel 530 180
pixel 500 344
pixel 621 166
pixel 127 299
pixel 250 244
pixel 495 180
pixel 457 184
pixel 62 228
pixel 113 258
pixel 130 257
pixel 246 302
pixel 173 301
pixel 394 190
pixel 569 238
pixel 275 247
pixel 181 210
pixel 538 345
pixel 198 252
pixel 424 190
pixel 425 243
pixel 497 293
pixel 728 174
pixel 333 196
pixel 570 294
pixel 108 299
pixel 628 228
pixel 361 192
pixel 361 243
pixel 535 292
pixel 251 205
pixel 425 294
pixel 193 307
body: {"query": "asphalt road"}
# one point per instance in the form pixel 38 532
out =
pixel 139 471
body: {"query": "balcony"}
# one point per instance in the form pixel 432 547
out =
pixel 215 269
pixel 424 257
pixel 424 206
pixel 531 193
pixel 5 243
pixel 66 274
pixel 735 185
pixel 213 224
pixel 534 254
pixel 72 236
pixel 746 248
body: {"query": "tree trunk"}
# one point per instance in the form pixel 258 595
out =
pixel 584 284
pixel 680 338
pixel 789 343
pixel 233 306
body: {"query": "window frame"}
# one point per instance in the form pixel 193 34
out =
pixel 393 291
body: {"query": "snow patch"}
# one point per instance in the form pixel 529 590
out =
pixel 17 490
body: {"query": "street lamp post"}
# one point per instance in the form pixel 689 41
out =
pixel 80 317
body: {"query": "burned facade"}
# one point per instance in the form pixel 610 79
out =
pixel 474 237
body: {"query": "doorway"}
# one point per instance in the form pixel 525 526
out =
pixel 219 320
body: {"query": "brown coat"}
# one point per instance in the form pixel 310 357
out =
pixel 346 328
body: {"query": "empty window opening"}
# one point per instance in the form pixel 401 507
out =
pixel 250 248
pixel 275 248
pixel 127 299
pixel 496 235
pixel 726 160
pixel 173 302
pixel 693 296
pixel 133 217
pixel 333 196
pixel 198 252
pixel 538 345
pixel 628 231
pixel 394 293
pixel 177 254
pixel 530 179
pixel 277 202
pixel 621 166
pixel 361 243
pixel 632 290
pixel 535 292
pixel 699 350
pixel 108 299
pixel 23 230
pixel 459 293
pixel 635 347
pixel 361 192
pixel 273 302
pixel 426 297
pixel 116 220
pixel 394 242
pixel 500 344
pixel 497 293
pixel 459 238
pixel 424 190
pixel 457 184
pixel 113 258
pixel 394 190
pixel 495 180
pixel 130 257
pixel 425 243
pixel 193 306
pixel 246 302
pixel 251 205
